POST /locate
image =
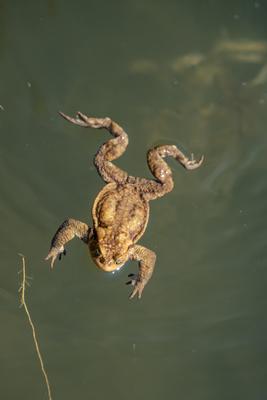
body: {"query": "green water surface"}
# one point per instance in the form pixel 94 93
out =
pixel 191 73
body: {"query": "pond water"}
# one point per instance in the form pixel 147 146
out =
pixel 188 73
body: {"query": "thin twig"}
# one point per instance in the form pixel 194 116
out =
pixel 22 289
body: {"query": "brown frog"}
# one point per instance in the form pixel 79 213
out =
pixel 121 209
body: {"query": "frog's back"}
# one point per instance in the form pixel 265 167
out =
pixel 121 208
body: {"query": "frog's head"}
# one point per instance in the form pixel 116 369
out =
pixel 109 255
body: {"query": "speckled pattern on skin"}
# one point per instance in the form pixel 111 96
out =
pixel 120 211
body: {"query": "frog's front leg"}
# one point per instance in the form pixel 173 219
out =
pixel 147 259
pixel 66 232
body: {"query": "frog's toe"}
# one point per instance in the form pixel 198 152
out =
pixel 53 259
pixel 138 286
pixel 78 120
pixel 193 164
pixel 53 253
pixel 138 289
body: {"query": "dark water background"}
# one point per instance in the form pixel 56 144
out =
pixel 191 73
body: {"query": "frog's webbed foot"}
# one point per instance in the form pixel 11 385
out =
pixel 110 150
pixel 87 122
pixel 54 253
pixel 138 286
pixel 147 259
pixel 77 120
pixel 192 163
pixel 67 231
pixel 162 172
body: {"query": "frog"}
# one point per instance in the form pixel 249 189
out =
pixel 120 211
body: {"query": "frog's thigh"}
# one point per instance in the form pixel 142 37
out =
pixel 161 170
pixel 109 151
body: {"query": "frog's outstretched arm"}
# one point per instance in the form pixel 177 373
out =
pixel 147 259
pixel 66 232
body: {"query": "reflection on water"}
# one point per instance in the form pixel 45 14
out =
pixel 188 73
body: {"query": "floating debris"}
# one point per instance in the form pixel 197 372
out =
pixel 22 290
pixel 187 61
pixel 248 57
pixel 242 50
pixel 242 45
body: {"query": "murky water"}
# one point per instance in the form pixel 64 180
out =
pixel 190 73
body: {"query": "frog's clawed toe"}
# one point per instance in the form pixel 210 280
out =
pixel 80 119
pixel 138 286
pixel 193 164
pixel 87 122
pixel 133 279
pixel 54 253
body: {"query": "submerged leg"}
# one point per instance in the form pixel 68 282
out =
pixel 67 231
pixel 110 150
pixel 147 259
pixel 162 172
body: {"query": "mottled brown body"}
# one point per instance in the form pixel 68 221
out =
pixel 121 209
pixel 120 215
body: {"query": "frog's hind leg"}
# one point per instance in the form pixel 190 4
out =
pixel 110 150
pixel 66 232
pixel 162 172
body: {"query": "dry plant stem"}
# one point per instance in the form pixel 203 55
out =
pixel 23 304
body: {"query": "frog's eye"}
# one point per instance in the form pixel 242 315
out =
pixel 97 252
pixel 118 261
